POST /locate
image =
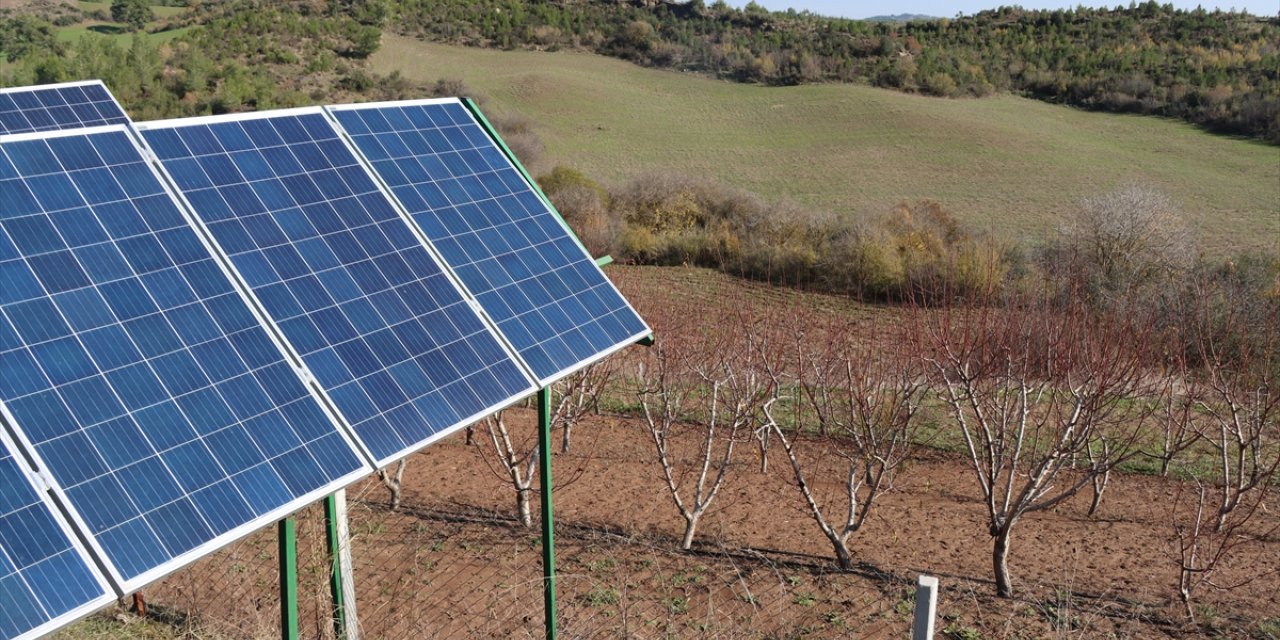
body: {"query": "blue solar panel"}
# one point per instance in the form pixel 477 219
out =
pixel 53 107
pixel 168 417
pixel 399 350
pixel 45 579
pixel 546 295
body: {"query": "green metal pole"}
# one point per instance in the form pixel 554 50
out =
pixel 335 559
pixel 548 523
pixel 288 540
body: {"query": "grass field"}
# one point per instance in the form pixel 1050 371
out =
pixel 1009 165
pixel 74 32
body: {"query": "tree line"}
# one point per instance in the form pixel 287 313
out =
pixel 1220 70
pixel 1130 244
pixel 240 55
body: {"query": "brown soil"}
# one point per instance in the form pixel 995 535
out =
pixel 1116 570
pixel 454 563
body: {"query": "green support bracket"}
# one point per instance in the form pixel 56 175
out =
pixel 604 260
pixel 288 543
pixel 646 341
pixel 548 522
pixel 335 575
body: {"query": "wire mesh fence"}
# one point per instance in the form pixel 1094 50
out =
pixel 437 568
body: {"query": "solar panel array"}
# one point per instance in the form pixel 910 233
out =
pixel 387 334
pixel 72 105
pixel 44 578
pixel 157 400
pixel 542 289
pixel 200 338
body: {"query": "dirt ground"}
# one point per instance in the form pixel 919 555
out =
pixel 1113 573
pixel 454 563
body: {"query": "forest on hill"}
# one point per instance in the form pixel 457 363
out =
pixel 248 54
pixel 1220 70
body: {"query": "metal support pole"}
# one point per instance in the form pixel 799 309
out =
pixel 342 586
pixel 926 608
pixel 335 564
pixel 548 523
pixel 288 543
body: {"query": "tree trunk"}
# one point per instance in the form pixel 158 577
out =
pixel 471 434
pixel 566 438
pixel 1228 505
pixel 1000 564
pixel 394 482
pixel 764 452
pixel 1099 485
pixel 522 507
pixel 690 528
pixel 843 557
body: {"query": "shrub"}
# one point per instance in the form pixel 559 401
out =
pixel 585 206
pixel 940 84
pixel 134 13
pixel 24 35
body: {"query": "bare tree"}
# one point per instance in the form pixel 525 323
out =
pixel 1239 403
pixel 1125 239
pixel 1236 415
pixel 1175 412
pixel 698 389
pixel 1206 539
pixel 512 455
pixel 863 394
pixel 517 461
pixel 577 396
pixel 1035 389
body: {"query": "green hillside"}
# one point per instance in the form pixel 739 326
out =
pixel 1214 68
pixel 1010 165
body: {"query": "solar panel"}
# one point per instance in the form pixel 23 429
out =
pixel 544 292
pixel 135 372
pixel 45 579
pixel 390 337
pixel 52 107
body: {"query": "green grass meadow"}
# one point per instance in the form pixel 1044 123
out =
pixel 113 30
pixel 1005 164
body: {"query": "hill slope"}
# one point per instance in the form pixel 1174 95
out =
pixel 1010 165
pixel 1218 69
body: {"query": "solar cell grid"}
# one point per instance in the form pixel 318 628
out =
pixel 388 335
pixel 133 367
pixel 545 294
pixel 45 579
pixel 71 105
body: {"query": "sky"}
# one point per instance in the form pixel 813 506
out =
pixel 950 9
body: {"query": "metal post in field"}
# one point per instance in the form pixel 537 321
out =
pixel 288 548
pixel 548 523
pixel 342 584
pixel 926 608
